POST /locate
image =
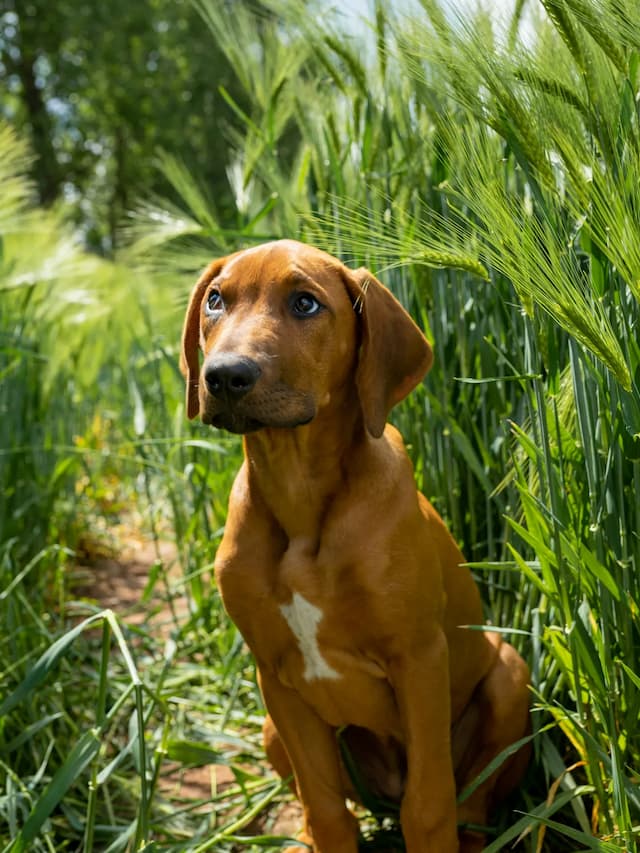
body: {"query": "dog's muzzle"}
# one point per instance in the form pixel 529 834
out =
pixel 229 377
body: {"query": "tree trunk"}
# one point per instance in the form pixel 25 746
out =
pixel 22 63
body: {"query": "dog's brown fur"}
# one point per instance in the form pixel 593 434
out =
pixel 343 580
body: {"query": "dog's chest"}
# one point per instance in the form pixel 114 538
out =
pixel 329 667
pixel 303 619
pixel 313 627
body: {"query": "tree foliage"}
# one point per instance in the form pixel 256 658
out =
pixel 101 88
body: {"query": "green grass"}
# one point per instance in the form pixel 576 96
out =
pixel 494 186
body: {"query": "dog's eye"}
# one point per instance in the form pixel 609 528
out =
pixel 214 303
pixel 305 305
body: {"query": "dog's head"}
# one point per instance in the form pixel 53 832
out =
pixel 283 327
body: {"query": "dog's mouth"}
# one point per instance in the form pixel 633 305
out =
pixel 279 409
pixel 232 423
pixel 243 425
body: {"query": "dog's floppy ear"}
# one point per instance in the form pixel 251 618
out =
pixel 189 363
pixel 394 354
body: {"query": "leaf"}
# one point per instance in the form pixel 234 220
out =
pixel 536 816
pixel 46 662
pixel 79 758
pixel 270 841
pixel 530 574
pixel 589 842
pixel 193 753
pixel 31 730
pixel 497 762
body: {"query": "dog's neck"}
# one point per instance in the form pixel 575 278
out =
pixel 297 472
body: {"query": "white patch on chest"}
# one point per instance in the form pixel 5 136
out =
pixel 303 618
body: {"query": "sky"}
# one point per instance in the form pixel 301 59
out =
pixel 355 12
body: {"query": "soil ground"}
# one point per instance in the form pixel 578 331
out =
pixel 118 582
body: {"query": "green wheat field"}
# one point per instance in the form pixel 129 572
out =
pixel 487 168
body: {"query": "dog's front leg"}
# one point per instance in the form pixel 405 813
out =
pixel 420 678
pixel 312 749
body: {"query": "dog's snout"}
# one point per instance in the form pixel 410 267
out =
pixel 230 376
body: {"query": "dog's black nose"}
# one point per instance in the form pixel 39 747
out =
pixel 231 377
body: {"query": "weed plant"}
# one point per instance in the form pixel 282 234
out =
pixel 490 176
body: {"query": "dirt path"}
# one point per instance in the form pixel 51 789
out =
pixel 118 581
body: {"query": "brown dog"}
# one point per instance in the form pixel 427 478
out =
pixel 342 578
